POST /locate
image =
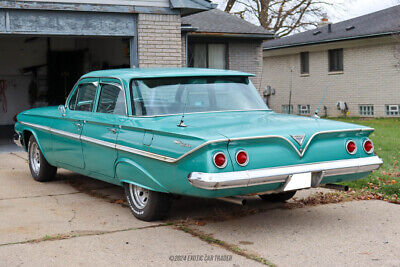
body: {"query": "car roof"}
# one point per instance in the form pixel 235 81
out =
pixel 128 74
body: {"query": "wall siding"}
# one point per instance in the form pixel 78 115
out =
pixel 246 57
pixel 369 77
pixel 155 3
pixel 159 40
pixel 66 23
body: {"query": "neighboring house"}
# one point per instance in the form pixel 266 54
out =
pixel 216 39
pixel 358 58
pixel 45 46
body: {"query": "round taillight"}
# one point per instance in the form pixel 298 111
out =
pixel 351 147
pixel 220 160
pixel 368 146
pixel 242 158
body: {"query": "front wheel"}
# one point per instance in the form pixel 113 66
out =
pixel 147 205
pixel 40 169
pixel 278 197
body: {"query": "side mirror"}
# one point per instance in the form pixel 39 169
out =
pixel 61 108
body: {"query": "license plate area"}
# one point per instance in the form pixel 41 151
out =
pixel 298 181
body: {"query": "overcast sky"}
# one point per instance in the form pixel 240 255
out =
pixel 357 8
pixel 351 8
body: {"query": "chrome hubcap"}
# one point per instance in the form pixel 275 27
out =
pixel 34 155
pixel 140 196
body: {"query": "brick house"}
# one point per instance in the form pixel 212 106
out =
pixel 45 46
pixel 221 40
pixel 358 58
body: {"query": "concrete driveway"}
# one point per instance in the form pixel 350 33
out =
pixel 76 220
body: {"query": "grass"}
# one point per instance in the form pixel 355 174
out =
pixel 385 182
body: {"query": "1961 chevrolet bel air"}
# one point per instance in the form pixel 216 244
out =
pixel 197 132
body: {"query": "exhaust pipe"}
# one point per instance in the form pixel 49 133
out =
pixel 234 200
pixel 336 187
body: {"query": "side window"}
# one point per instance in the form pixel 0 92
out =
pixel 112 100
pixel 335 58
pixel 83 97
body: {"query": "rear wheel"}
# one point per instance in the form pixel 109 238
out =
pixel 278 197
pixel 147 205
pixel 40 169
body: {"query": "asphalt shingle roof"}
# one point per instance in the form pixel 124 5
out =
pixel 218 21
pixel 192 6
pixel 378 23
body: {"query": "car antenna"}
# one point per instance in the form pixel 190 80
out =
pixel 182 123
pixel 320 103
pixel 291 89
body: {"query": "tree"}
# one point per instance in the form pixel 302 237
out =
pixel 281 16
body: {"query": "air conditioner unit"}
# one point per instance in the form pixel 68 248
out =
pixel 393 108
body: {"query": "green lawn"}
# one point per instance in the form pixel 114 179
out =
pixel 385 182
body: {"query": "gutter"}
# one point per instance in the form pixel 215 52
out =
pixel 332 40
pixel 232 35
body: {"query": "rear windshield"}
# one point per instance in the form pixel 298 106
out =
pixel 162 96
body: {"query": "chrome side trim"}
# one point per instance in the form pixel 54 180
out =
pixel 145 153
pixel 216 181
pixel 48 129
pixel 173 160
pixel 64 133
pixel 200 112
pixel 97 141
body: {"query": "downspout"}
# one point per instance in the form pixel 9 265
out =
pixel 185 29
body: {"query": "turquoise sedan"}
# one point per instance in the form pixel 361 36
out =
pixel 197 132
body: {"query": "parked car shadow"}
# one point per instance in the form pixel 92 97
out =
pixel 183 207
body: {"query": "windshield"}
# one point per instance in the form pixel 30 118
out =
pixel 161 96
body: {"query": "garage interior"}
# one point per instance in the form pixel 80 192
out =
pixel 41 71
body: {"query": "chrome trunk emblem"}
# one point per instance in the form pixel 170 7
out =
pixel 299 138
pixel 178 142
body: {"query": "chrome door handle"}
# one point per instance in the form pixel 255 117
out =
pixel 78 125
pixel 113 130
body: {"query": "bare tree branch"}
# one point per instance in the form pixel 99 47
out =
pixel 229 5
pixel 284 17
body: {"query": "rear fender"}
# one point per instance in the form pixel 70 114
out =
pixel 128 171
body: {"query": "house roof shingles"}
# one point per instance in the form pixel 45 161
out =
pixel 382 22
pixel 218 21
pixel 192 6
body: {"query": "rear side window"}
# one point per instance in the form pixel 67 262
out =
pixel 83 97
pixel 112 100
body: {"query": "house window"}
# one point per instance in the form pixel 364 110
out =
pixel 335 60
pixel 393 110
pixel 366 110
pixel 212 56
pixel 304 109
pixel 304 63
pixel 287 110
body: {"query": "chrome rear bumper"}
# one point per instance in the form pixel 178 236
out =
pixel 215 181
pixel 17 139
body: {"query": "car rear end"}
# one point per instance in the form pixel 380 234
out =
pixel 277 163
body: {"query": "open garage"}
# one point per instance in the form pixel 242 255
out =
pixel 44 52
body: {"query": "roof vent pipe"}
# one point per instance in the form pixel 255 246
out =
pixel 330 27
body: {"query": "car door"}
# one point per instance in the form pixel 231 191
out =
pixel 67 130
pixel 101 128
